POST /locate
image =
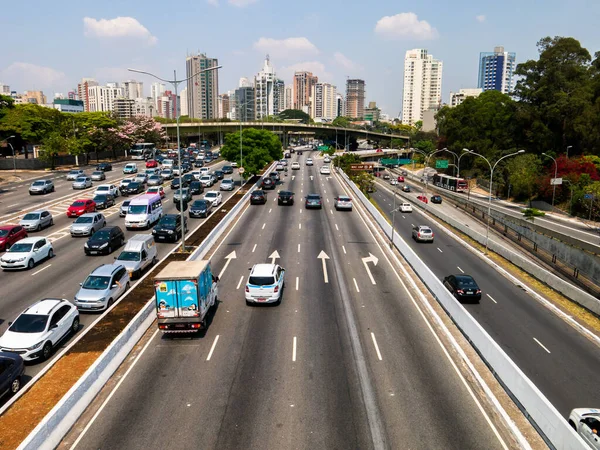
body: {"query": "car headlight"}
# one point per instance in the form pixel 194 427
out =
pixel 21 259
pixel 153 231
pixel 34 346
pixel 170 231
pixel 104 245
pixel 101 299
pixel 85 245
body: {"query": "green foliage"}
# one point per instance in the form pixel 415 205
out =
pixel 365 182
pixel 523 173
pixel 6 103
pixel 29 122
pixel 532 213
pixel 259 147
pixel 345 160
pixel 294 114
pixel 341 121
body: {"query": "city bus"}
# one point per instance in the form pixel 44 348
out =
pixel 451 183
pixel 143 150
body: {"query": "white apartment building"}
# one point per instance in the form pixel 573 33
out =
pixel 156 91
pixel 4 89
pixel 456 98
pixel 202 89
pixel 422 85
pixel 264 101
pixel 288 97
pixel 133 89
pixel 323 104
pixel 183 102
pixel 101 98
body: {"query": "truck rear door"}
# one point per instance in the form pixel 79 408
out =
pixel 188 298
pixel 166 299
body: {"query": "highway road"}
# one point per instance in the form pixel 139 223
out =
pixel 346 361
pixel 561 362
pixel 60 276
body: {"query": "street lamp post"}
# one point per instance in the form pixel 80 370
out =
pixel 455 155
pixel 175 83
pixel 492 168
pixel 555 175
pixel 13 152
pixel 568 147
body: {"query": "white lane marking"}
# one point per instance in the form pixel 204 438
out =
pixel 240 282
pixel 300 210
pixel 404 217
pixel 294 350
pixel 165 200
pixel 212 349
pixel 274 199
pixel 264 225
pixel 301 191
pixel 344 248
pixel 270 209
pixel 43 268
pixel 327 200
pixel 16 204
pixel 336 227
pixel 331 211
pixel 541 345
pixel 356 285
pixel 297 282
pixel 460 269
pixel 376 346
pixel 299 226
pixel 298 248
pixel 254 248
pixel 412 225
pixel 491 298
pixel 99 411
pixel 324 190
pixel 440 250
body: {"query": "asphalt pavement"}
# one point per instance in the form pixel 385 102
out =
pixel 346 360
pixel 60 276
pixel 561 362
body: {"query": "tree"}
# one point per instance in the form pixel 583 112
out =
pixel 294 114
pixel 6 103
pixel 341 121
pixel 531 213
pixel 259 148
pixel 56 144
pixel 523 175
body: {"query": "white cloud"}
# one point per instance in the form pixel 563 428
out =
pixel 345 62
pixel 480 18
pixel 286 48
pixel 317 68
pixel 241 3
pixel 117 28
pixel 405 25
pixel 23 76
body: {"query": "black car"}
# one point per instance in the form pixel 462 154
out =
pixel 267 183
pixel 285 198
pixel 258 198
pixel 104 167
pixel 168 228
pixel 436 199
pixel 196 188
pixel 463 287
pixel 132 188
pixel 188 177
pixel 227 169
pixel 11 371
pixel 184 181
pixel 219 174
pixel 200 208
pixel 186 167
pixel 198 163
pixel 105 240
pixel 275 176
pixel 104 201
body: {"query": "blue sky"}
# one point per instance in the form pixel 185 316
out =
pixel 54 44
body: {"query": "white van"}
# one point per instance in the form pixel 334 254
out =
pixel 168 163
pixel 144 210
pixel 139 252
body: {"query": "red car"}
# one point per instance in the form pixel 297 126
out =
pixel 422 198
pixel 400 179
pixel 80 207
pixel 9 234
pixel 151 163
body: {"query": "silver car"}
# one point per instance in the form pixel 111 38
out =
pixel 102 287
pixel 98 175
pixel 422 233
pixel 41 187
pixel 124 208
pixel 87 224
pixel 186 195
pixel 82 183
pixel 166 174
pixel 155 180
pixel 36 220
pixel 74 174
pixel 227 184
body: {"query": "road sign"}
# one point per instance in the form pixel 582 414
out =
pixel 441 164
pixel 390 161
pixel 361 166
pixel 242 170
pixel 588 196
pixel 556 181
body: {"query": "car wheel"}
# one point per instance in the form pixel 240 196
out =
pixel 30 264
pixel 50 254
pixel 110 303
pixel 39 227
pixel 46 351
pixel 127 286
pixel 15 386
pixel 75 325
pixel 154 261
pixel 51 222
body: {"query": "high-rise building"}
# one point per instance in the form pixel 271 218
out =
pixel 372 112
pixel 244 82
pixel 288 97
pixel 144 107
pixel 323 102
pixel 278 96
pixel 422 85
pixel 133 89
pixel 340 105
pixel 4 89
pixel 35 97
pixel 202 89
pixel 124 107
pixel 156 91
pixel 72 95
pixel 303 83
pixel 456 98
pixel 223 106
pixel 183 100
pixel 244 104
pixel 101 98
pixel 264 90
pixel 82 91
pixel 496 70
pixel 168 105
pixel 355 98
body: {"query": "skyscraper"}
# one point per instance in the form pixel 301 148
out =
pixel 82 91
pixel 303 83
pixel 156 92
pixel 183 105
pixel 244 104
pixel 340 105
pixel 288 100
pixel 422 85
pixel 496 70
pixel 133 89
pixel 278 96
pixel 203 89
pixel 323 102
pixel 264 89
pixel 101 98
pixel 355 98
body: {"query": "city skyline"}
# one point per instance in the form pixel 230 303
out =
pixel 105 41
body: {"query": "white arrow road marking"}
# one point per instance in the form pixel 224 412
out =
pixel 371 258
pixel 293 177
pixel 229 257
pixel 274 256
pixel 311 178
pixel 323 256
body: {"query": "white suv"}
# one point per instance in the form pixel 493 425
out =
pixel 265 284
pixel 40 328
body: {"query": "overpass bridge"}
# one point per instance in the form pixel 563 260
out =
pixel 194 130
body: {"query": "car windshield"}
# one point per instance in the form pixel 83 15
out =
pixel 344 199
pixel 166 220
pixel 31 216
pixel 96 282
pixel 134 185
pixel 80 179
pixel 103 188
pixel 38 183
pixel 84 219
pixel 137 209
pixel 199 204
pixel 129 256
pixel 205 177
pixel 4 233
pixel 29 323
pixel 100 198
pixel 126 203
pixel 425 230
pixel 74 172
pixel 102 235
pixel 19 247
pixel 210 194
pixel 261 281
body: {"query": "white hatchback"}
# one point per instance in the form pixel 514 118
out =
pixel 309 161
pixel 325 170
pixel 265 284
pixel 109 189
pixel 406 207
pixel 295 166
pixel 213 197
pixel 26 253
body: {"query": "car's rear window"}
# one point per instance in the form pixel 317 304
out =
pixel 466 282
pixel 261 281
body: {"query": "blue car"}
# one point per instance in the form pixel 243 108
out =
pixel 11 371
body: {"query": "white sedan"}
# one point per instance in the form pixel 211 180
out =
pixel 295 166
pixel 26 253
pixel 213 197
pixel 325 170
pixel 586 422
pixel 309 161
pixel 82 183
pixel 109 189
pixel 406 207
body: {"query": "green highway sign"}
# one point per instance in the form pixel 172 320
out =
pixel 441 164
pixel 390 161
